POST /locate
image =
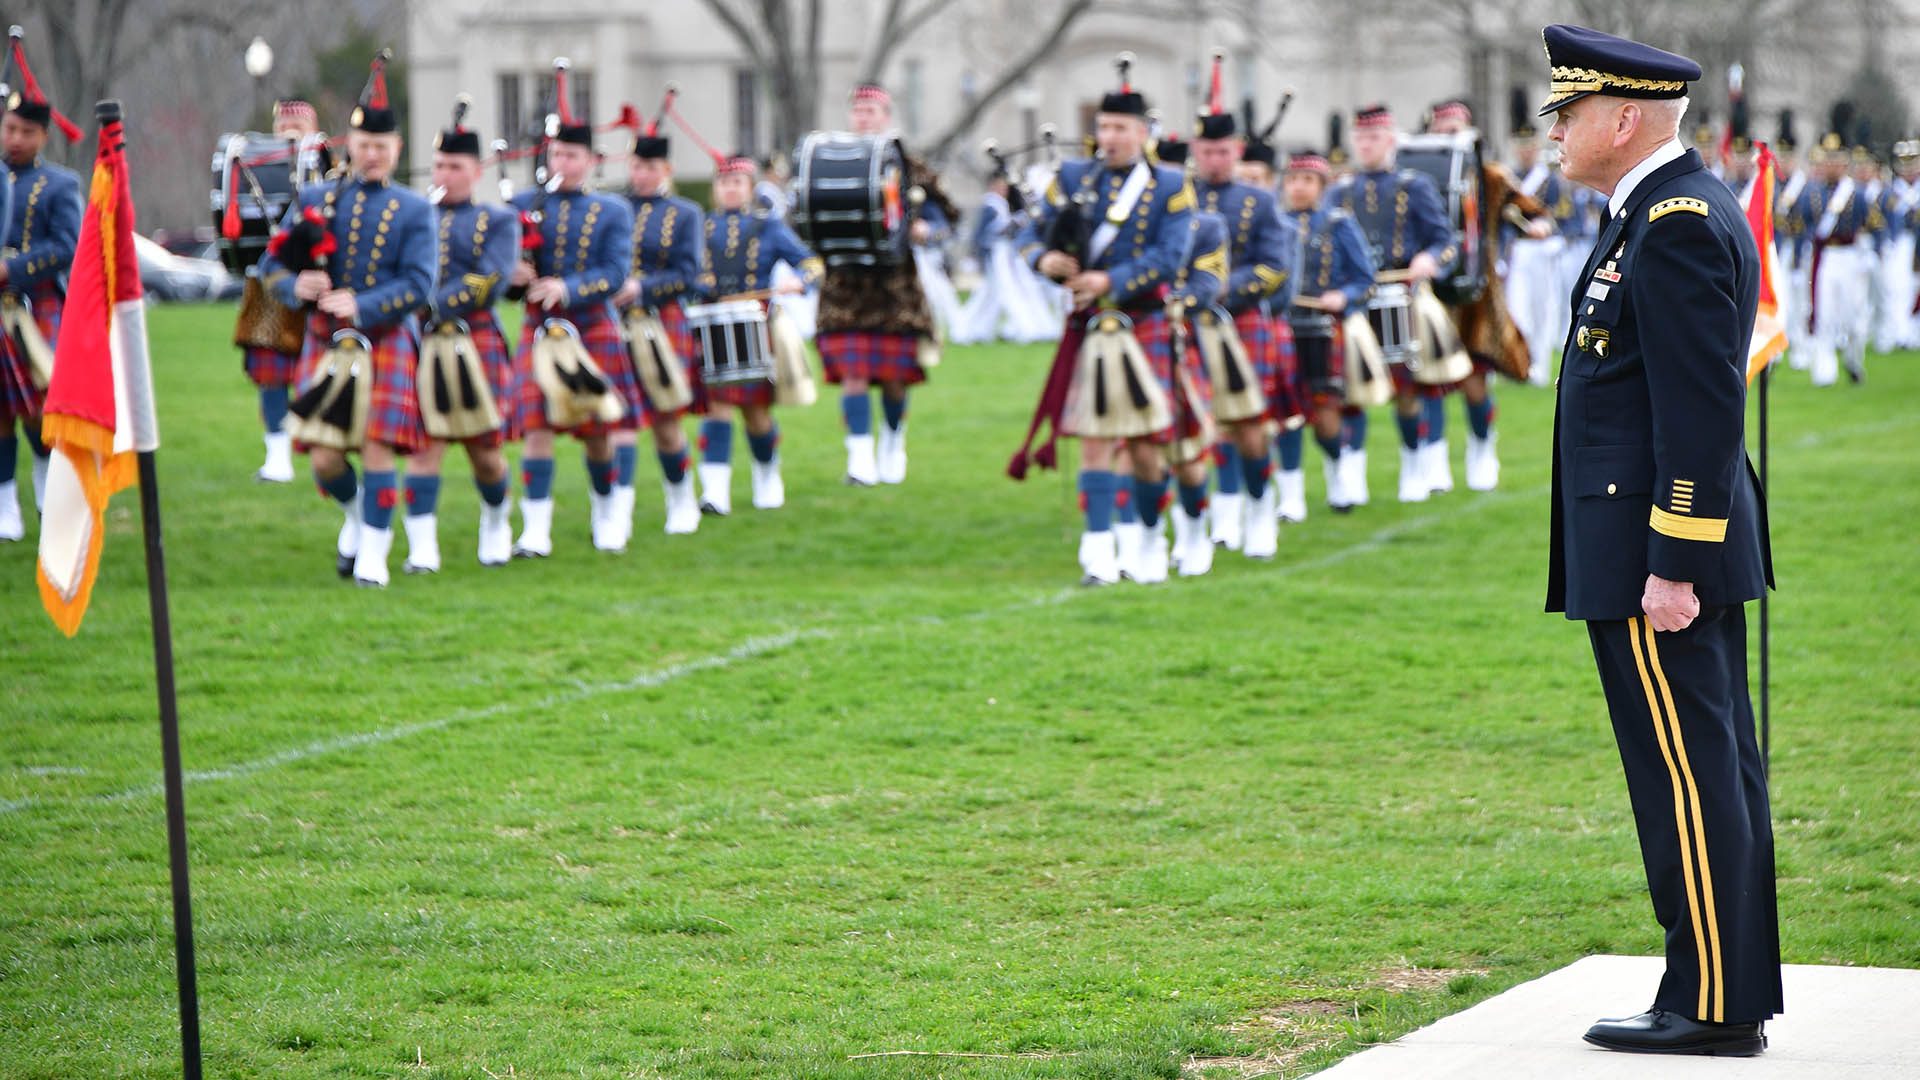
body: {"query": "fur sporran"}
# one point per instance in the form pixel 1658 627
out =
pixel 575 388
pixel 16 316
pixel 266 323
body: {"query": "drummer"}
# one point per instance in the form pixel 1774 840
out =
pixel 1405 223
pixel 667 238
pixel 874 320
pixel 743 244
pixel 1334 276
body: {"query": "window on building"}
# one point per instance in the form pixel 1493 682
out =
pixel 513 125
pixel 746 110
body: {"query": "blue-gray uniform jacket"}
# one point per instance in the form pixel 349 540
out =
pixel 43 226
pixel 586 240
pixel 1650 471
pixel 479 245
pixel 1858 220
pixel 1210 265
pixel 385 254
pixel 1554 192
pixel 1262 244
pixel 1151 245
pixel 995 223
pixel 1401 214
pixel 742 248
pixel 1887 205
pixel 1333 255
pixel 668 234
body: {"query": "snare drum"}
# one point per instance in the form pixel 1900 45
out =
pixel 1390 313
pixel 1313 345
pixel 850 198
pixel 734 346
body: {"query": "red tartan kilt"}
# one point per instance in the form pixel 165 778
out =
pixel 673 319
pixel 871 355
pixel 758 394
pixel 393 409
pixel 1284 399
pixel 19 398
pixel 271 370
pixel 600 333
pixel 497 362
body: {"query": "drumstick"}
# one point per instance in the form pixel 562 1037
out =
pixel 1311 303
pixel 1393 277
pixel 757 294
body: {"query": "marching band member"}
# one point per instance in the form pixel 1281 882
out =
pixel 1406 227
pixel 744 243
pixel 1115 230
pixel 873 320
pixel 668 234
pixel 1896 201
pixel 1486 328
pixel 379 273
pixel 1201 285
pixel 1790 182
pixel 1335 274
pixel 1011 303
pixel 581 248
pixel 1260 260
pixel 271 370
pixel 1904 262
pixel 1833 224
pixel 478 246
pixel 1535 292
pixel 41 230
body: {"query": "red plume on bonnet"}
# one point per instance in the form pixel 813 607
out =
pixel 31 100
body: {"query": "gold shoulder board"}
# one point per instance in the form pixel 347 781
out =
pixel 1674 206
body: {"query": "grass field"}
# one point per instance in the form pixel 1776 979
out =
pixel 869 774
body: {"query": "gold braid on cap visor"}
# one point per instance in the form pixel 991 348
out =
pixel 1571 80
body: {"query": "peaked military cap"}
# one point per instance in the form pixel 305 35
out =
pixel 1586 62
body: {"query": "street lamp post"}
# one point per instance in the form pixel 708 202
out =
pixel 259 61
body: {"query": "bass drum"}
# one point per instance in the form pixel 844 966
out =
pixel 254 174
pixel 850 198
pixel 1452 162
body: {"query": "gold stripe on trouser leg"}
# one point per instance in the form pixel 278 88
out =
pixel 1719 999
pixel 1635 627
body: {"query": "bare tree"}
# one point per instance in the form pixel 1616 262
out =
pixel 1010 76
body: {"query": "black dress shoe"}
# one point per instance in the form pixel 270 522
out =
pixel 1658 1031
pixel 343 565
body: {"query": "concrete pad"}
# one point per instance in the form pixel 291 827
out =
pixel 1841 1023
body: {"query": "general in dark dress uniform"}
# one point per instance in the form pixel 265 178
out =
pixel 1652 490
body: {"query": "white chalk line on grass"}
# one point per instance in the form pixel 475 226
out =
pixel 747 650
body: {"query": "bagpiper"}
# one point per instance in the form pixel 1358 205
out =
pixel 1242 331
pixel 358 255
pixel 1115 230
pixel 466 378
pixel 42 228
pixel 874 321
pixel 668 234
pixel 572 372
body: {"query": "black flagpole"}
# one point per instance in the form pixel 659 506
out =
pixel 107 113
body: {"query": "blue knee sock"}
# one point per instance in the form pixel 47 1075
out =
pixel 1193 498
pixel 423 495
pixel 273 407
pixel 857 411
pixel 763 447
pixel 340 488
pixel 376 507
pixel 9 457
pixel 536 478
pixel 1096 499
pixel 600 475
pixel 1292 444
pixel 716 442
pixel 673 465
pixel 1353 429
pixel 1150 497
pixel 1256 472
pixel 625 460
pixel 1480 417
pixel 1226 457
pixel 1409 430
pixel 493 494
pixel 1328 446
pixel 894 411
pixel 1123 511
pixel 1433 413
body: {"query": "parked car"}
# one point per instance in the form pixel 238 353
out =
pixel 168 277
